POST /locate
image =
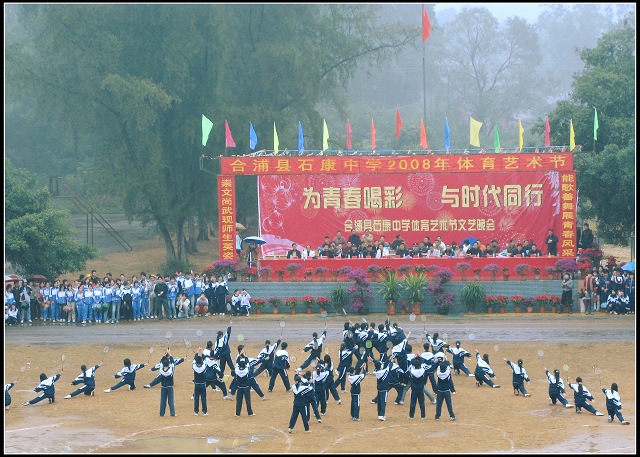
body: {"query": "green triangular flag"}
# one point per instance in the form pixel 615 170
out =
pixel 496 141
pixel 207 125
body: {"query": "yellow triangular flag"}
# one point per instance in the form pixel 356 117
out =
pixel 520 132
pixel 572 136
pixel 276 142
pixel 474 135
pixel 325 136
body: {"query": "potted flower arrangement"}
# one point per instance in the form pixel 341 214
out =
pixel 403 308
pixel 291 303
pixel 323 303
pixel 506 271
pixel 612 262
pixel 536 272
pixel 555 302
pixel 280 273
pixel 517 301
pixel 567 266
pixel 522 269
pixel 405 269
pixel 360 291
pixel 492 269
pixel 472 294
pixel 308 301
pixel 443 275
pixel 584 266
pixel 502 303
pixel 390 290
pixel 374 270
pixel 307 274
pixel 463 267
pixel 551 271
pixel 343 271
pixel 275 303
pixel 414 285
pixel 339 298
pixel 222 268
pixel 292 269
pixel 241 270
pixel 322 272
pixel 258 304
pixel 420 268
pixel 476 273
pixel 264 272
pixel 490 301
pixel 443 303
pixel 542 302
pixel 253 273
pixel 528 303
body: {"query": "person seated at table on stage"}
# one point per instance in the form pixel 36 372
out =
pixel 382 251
pixel 294 252
pixel 383 241
pixel 526 246
pixel 449 251
pixel 369 251
pixel 433 253
pixel 483 249
pixel 339 239
pixel 395 244
pixel 413 250
pixel 489 252
pixel 466 245
pixel 308 253
pixel 340 253
pixel 326 242
pixel 327 251
pixel 354 238
pixel 354 252
pixel 473 251
pixel 519 251
pixel 366 238
pixel 427 242
pixel 420 250
pixel 439 244
pixel 511 246
pixel 402 251
pixel 535 251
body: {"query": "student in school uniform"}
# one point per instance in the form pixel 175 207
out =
pixel 614 404
pixel 222 290
pixel 437 344
pixel 172 295
pixel 280 366
pixel 580 396
pixel 87 379
pixel 519 377
pixel 241 374
pixel 47 388
pixel 222 350
pixel 7 396
pixel 245 302
pixel 445 389
pixel 417 379
pixel 331 387
pixel 346 362
pixel 235 303
pixel 381 373
pixel 483 371
pixel 301 392
pixel 158 379
pixel 199 383
pixel 556 388
pixel 202 305
pixel 107 298
pixel 71 304
pixel 128 375
pixel 13 315
pixel 320 378
pixel 250 363
pixel 314 348
pixel 313 398
pixel 166 394
pixel 266 357
pixel 355 379
pixel 213 375
pixel 458 359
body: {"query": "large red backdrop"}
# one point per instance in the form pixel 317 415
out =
pixel 455 206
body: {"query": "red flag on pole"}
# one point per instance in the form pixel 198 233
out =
pixel 426 25
pixel 423 136
pixel 547 133
pixel 348 135
pixel 229 143
pixel 373 135
pixel 398 123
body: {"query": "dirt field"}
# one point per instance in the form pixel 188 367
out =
pixel 488 420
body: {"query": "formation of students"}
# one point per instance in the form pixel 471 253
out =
pixel 395 367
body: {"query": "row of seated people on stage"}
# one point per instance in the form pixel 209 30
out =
pixel 398 248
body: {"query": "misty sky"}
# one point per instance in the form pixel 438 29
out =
pixel 501 11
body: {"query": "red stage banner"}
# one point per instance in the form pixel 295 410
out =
pixel 455 206
pixel 458 163
pixel 567 244
pixel 227 217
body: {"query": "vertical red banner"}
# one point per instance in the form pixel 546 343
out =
pixel 567 244
pixel 227 217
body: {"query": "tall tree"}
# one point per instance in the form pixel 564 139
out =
pixel 137 78
pixel 37 238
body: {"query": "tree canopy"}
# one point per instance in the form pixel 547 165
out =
pixel 38 240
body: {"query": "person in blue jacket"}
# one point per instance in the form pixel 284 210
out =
pixel 222 349
pixel 241 374
pixel 483 371
pixel 301 392
pixel 47 388
pixel 614 405
pixel 556 388
pixel 458 359
pixel 280 366
pixel 87 379
pixel 199 383
pixel 445 389
pixel 7 397
pixel 580 396
pixel 519 377
pixel 128 373
pixel 314 348
pixel 166 393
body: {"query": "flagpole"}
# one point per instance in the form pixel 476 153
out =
pixel 424 80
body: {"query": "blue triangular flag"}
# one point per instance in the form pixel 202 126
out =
pixel 447 140
pixel 253 138
pixel 300 138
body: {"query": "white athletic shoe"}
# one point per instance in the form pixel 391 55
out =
pixel 568 405
pixel 471 375
pixel 26 403
pixel 264 398
pixel 527 395
pixel 598 413
pixel 290 430
pixel 107 390
pixel 625 422
pixel 205 414
pixel 68 396
pixel 195 414
pixel 339 401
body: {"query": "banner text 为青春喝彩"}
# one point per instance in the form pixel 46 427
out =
pixel 460 163
pixel 456 205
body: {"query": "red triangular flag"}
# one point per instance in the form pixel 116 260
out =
pixel 373 135
pixel 398 123
pixel 426 25
pixel 229 143
pixel 423 136
pixel 348 135
pixel 547 133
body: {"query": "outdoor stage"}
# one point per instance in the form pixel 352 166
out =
pixel 476 263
